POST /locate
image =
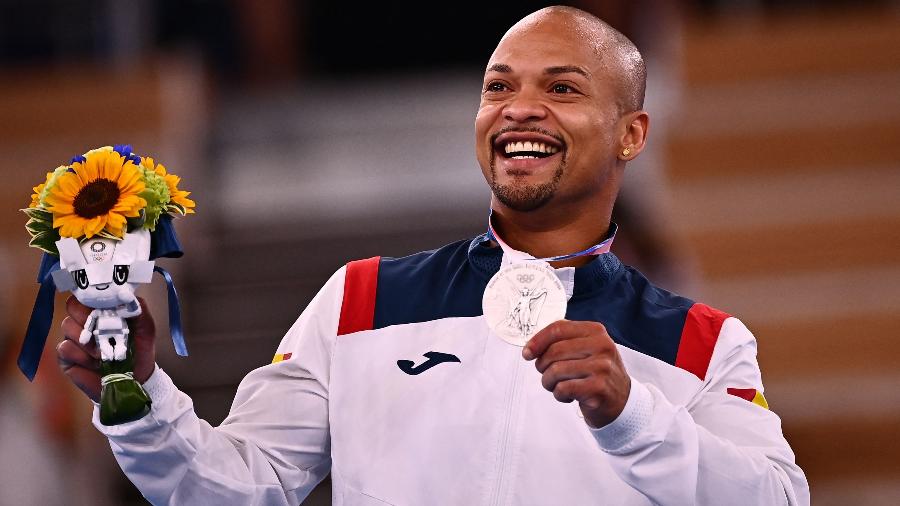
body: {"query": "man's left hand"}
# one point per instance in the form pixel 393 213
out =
pixel 579 362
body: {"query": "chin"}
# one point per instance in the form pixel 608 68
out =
pixel 523 197
pixel 518 194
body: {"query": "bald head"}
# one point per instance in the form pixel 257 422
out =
pixel 616 54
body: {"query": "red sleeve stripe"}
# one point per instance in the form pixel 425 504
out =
pixel 358 306
pixel 748 394
pixel 698 339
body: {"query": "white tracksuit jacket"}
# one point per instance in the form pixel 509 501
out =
pixel 478 428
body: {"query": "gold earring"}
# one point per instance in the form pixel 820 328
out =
pixel 626 151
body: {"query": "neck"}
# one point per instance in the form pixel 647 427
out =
pixel 551 233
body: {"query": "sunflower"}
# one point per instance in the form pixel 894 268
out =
pixel 178 200
pixel 96 195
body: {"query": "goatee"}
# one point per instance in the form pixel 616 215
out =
pixel 520 196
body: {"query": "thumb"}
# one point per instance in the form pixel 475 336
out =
pixel 143 334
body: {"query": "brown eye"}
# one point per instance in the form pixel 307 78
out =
pixel 80 278
pixel 495 87
pixel 120 274
pixel 562 88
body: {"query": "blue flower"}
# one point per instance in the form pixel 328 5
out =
pixel 125 151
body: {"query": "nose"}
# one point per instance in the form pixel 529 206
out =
pixel 523 108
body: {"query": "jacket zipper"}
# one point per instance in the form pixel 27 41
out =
pixel 505 437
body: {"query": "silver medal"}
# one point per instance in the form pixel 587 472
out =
pixel 522 299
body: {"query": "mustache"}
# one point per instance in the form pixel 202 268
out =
pixel 536 130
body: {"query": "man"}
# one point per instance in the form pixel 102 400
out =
pixel 393 380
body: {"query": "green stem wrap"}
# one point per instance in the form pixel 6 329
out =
pixel 122 399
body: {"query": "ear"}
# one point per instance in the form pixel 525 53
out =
pixel 634 134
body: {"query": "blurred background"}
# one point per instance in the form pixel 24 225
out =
pixel 313 133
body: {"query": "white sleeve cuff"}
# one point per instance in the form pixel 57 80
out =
pixel 631 421
pixel 158 386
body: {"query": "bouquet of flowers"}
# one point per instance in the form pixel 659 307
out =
pixel 100 221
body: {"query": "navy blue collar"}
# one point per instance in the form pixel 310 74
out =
pixel 589 278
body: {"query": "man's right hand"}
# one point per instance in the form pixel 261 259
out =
pixel 81 363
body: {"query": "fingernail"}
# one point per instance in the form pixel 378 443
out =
pixel 527 354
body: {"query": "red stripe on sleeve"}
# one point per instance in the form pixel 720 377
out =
pixel 698 339
pixel 744 393
pixel 358 306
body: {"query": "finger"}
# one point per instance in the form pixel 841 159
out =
pixel 78 311
pixel 564 371
pixel 143 332
pixel 558 331
pixel 72 330
pixel 69 354
pixel 86 380
pixel 579 389
pixel 79 367
pixel 142 326
pixel 569 349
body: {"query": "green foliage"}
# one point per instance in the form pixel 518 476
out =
pixel 156 193
pixel 40 227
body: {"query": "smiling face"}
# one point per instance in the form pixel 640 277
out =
pixel 102 283
pixel 546 129
pixel 102 272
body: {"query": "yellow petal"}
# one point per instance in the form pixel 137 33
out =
pixel 62 208
pixel 59 204
pixel 70 226
pixel 85 173
pixel 116 224
pixel 62 219
pixel 187 203
pixel 76 168
pixel 130 206
pixel 67 185
pixel 130 182
pixel 94 225
pixel 112 164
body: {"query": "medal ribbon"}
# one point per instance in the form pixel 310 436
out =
pixel 597 249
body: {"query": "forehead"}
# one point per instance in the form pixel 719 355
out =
pixel 541 45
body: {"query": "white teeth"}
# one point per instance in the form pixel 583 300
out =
pixel 529 146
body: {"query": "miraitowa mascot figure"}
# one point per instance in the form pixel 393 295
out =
pixel 101 221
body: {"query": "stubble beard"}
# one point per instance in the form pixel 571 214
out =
pixel 520 196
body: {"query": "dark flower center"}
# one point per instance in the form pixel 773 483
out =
pixel 96 198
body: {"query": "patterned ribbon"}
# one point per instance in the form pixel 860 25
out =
pixel 597 249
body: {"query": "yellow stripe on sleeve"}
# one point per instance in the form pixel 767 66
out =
pixel 760 400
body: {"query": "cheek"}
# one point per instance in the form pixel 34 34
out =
pixel 484 122
pixel 85 295
pixel 596 136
